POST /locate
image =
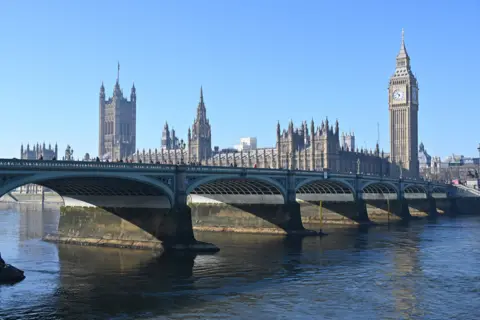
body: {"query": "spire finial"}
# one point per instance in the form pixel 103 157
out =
pixel 403 51
pixel 118 71
pixel 201 93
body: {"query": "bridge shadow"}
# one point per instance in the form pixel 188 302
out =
pixel 108 282
pixel 252 218
pixel 383 210
pixel 423 208
pixel 332 212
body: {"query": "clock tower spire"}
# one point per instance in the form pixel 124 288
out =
pixel 403 108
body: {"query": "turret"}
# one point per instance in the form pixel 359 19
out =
pixel 133 93
pixel 21 151
pixel 102 91
pixel 173 143
pixel 312 145
pixel 337 129
pixel 117 92
pixel 101 119
pixel 278 164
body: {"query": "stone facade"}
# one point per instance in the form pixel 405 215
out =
pixel 320 147
pixel 117 123
pixel 300 148
pixel 403 107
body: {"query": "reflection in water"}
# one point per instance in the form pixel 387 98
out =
pixel 410 271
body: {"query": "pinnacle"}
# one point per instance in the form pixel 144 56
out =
pixel 403 50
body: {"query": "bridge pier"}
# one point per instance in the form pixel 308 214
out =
pixel 334 212
pixel 266 218
pixel 425 207
pixel 445 206
pixel 176 233
pixel 385 210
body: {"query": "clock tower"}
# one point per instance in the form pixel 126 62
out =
pixel 403 108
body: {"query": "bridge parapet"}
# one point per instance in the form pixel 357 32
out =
pixel 319 182
pixel 17 165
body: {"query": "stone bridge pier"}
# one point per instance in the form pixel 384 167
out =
pixel 248 204
pixel 331 201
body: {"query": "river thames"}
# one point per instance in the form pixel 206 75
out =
pixel 421 270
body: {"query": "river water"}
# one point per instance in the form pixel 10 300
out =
pixel 423 270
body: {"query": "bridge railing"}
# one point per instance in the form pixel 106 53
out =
pixel 51 164
pixel 79 165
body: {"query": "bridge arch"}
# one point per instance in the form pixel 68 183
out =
pixel 320 185
pixel 383 187
pixel 88 184
pixel 319 189
pixel 226 187
pixel 414 188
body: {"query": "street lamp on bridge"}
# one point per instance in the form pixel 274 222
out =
pixel 478 162
pixel 401 169
pixel 358 165
pixel 182 148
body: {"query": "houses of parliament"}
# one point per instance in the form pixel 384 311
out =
pixel 308 147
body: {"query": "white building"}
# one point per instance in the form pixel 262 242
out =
pixel 247 144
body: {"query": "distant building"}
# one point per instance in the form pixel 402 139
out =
pixel 39 150
pixel 452 167
pixel 118 123
pixel 348 141
pixel 247 144
pixel 200 135
pixel 169 140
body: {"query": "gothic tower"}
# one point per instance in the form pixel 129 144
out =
pixel 117 123
pixel 200 140
pixel 403 108
pixel 166 137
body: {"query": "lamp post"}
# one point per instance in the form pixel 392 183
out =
pixel 358 165
pixel 401 169
pixel 182 147
pixel 478 162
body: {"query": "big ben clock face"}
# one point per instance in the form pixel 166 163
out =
pixel 398 95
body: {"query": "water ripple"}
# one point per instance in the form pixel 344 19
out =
pixel 425 270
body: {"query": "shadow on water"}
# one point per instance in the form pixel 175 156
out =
pixel 108 282
pixel 265 272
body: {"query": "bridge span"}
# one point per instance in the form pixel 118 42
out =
pixel 163 199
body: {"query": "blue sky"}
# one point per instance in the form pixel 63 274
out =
pixel 258 62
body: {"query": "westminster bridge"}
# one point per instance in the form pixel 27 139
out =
pixel 164 199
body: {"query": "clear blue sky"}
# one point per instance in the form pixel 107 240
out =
pixel 258 62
